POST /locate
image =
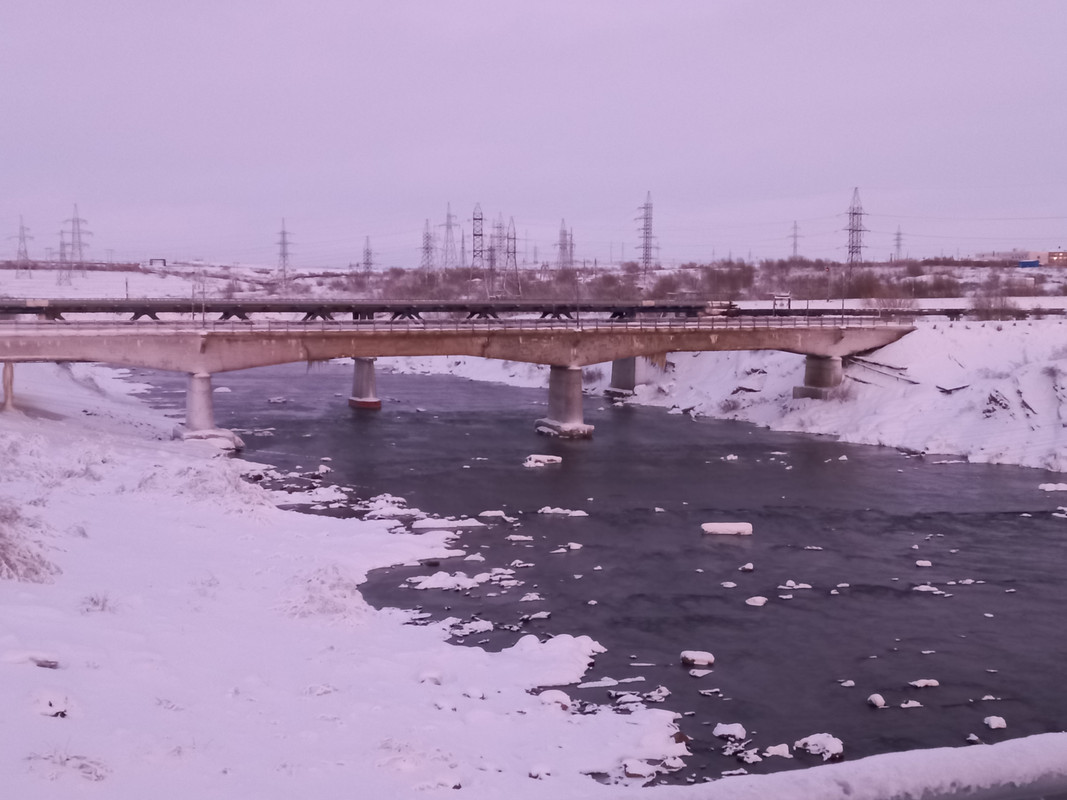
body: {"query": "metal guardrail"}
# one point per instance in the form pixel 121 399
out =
pixel 712 323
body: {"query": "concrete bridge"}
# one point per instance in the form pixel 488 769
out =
pixel 204 348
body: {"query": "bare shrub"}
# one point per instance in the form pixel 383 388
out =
pixel 97 603
pixel 20 555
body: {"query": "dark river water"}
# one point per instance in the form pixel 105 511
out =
pixel 850 521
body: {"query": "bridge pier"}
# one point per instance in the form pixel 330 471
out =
pixel 565 417
pixel 364 388
pixel 9 386
pixel 623 377
pixel 200 415
pixel 821 374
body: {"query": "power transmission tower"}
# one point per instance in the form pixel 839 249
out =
pixel 448 252
pixel 427 249
pixel 462 249
pixel 511 264
pixel 855 235
pixel 898 244
pixel 477 241
pixel 563 248
pixel 646 235
pixel 76 254
pixel 63 274
pixel 796 237
pixel 283 256
pixel 368 255
pixel 23 265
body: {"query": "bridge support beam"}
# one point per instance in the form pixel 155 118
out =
pixel 821 374
pixel 364 388
pixel 200 415
pixel 565 417
pixel 623 377
pixel 9 386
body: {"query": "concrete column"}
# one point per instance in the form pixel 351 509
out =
pixel 821 374
pixel 364 389
pixel 623 376
pixel 565 416
pixel 9 386
pixel 199 407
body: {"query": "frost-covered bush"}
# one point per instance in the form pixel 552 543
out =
pixel 20 553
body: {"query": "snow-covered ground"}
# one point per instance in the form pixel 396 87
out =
pixel 166 630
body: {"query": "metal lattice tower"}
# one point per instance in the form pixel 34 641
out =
pixel 647 241
pixel 23 265
pixel 448 252
pixel 564 258
pixel 477 240
pixel 855 229
pixel 427 249
pixel 511 263
pixel 796 237
pixel 63 274
pixel 497 244
pixel 368 255
pixel 283 256
pixel 898 245
pixel 76 254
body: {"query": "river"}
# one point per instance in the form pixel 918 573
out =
pixel 852 522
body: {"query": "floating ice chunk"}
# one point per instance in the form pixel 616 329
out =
pixel 842 458
pixel 1053 487
pixel 756 601
pixel 496 514
pixel 699 673
pixel 537 460
pixel 433 524
pixel 821 744
pixel 732 730
pixel 728 528
pixel 475 557
pixel 922 683
pixel 602 683
pixel 728 585
pixel 530 597
pixel 847 684
pixel 277 400
pixel 995 722
pixel 791 584
pixel 911 704
pixel 697 658
pixel 659 510
pixel 518 537
pixel 746 567
pixel 780 750
pixel 444 580
pixel 565 512
pixel 474 626
pixel 876 700
pixel 923 563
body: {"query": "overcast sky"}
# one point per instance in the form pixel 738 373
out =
pixel 190 128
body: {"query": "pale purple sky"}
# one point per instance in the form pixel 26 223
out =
pixel 190 128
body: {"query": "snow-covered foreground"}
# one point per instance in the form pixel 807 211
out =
pixel 191 639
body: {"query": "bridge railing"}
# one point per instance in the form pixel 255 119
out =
pixel 39 327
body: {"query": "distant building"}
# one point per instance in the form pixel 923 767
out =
pixel 1057 258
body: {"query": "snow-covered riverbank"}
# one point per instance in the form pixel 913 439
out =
pixel 190 638
pixel 986 391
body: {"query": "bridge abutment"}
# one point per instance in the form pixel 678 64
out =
pixel 565 416
pixel 9 386
pixel 821 374
pixel 364 387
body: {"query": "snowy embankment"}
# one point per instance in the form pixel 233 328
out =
pixel 185 637
pixel 986 391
